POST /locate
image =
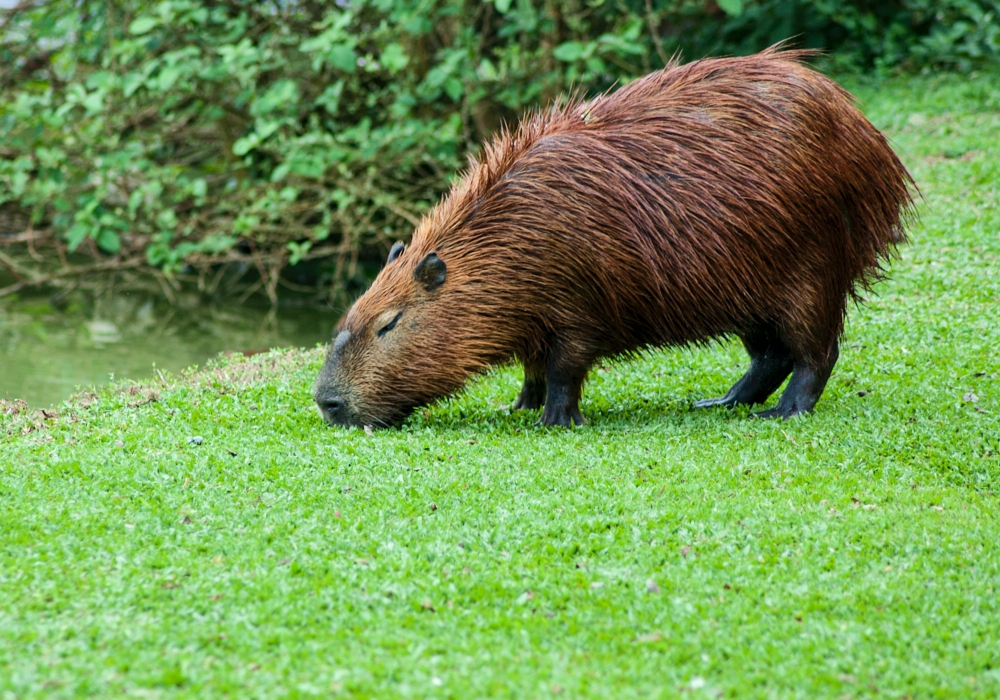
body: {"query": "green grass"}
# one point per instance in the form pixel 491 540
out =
pixel 656 551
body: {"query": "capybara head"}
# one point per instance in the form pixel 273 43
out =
pixel 391 352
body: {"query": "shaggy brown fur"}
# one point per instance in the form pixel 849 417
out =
pixel 737 196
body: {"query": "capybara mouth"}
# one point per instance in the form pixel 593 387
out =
pixel 339 422
pixel 347 419
pixel 336 410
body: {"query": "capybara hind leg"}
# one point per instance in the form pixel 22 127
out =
pixel 804 388
pixel 532 394
pixel 770 363
pixel 562 397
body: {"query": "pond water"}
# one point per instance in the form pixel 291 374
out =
pixel 49 349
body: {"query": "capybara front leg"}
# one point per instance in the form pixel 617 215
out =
pixel 532 394
pixel 770 363
pixel 562 397
pixel 804 388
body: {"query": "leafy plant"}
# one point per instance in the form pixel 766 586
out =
pixel 181 134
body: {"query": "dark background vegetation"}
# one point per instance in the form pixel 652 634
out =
pixel 255 146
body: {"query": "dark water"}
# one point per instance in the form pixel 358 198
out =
pixel 50 349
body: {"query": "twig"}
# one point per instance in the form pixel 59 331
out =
pixel 274 276
pixel 249 292
pixel 31 245
pixel 298 287
pixel 26 237
pixel 20 7
pixel 213 286
pixel 165 286
pixel 399 211
pixel 19 270
pixel 69 272
pixel 653 29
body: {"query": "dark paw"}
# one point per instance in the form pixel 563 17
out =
pixel 532 396
pixel 526 403
pixel 779 411
pixel 565 418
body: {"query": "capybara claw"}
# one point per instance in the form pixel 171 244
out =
pixel 563 418
pixel 723 401
pixel 524 403
pixel 532 396
pixel 778 412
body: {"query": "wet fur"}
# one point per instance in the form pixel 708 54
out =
pixel 738 196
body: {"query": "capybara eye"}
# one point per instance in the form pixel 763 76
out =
pixel 396 250
pixel 389 326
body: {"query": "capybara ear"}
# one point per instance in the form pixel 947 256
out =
pixel 430 272
pixel 396 250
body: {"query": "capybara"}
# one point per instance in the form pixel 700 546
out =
pixel 727 197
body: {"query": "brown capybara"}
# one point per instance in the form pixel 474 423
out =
pixel 735 196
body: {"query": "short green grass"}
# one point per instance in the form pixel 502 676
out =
pixel 657 551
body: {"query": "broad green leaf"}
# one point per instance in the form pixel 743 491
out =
pixel 244 145
pixel 131 83
pixel 75 236
pixel 622 44
pixel 102 79
pixel 94 102
pixel 279 173
pixel 394 58
pixel 108 241
pixel 343 58
pixel 308 165
pixel 284 93
pixel 297 250
pixel 142 25
pixel 569 51
pixel 453 88
pixel 168 76
pixel 436 76
pixel 217 243
pixel 330 99
pixel 503 6
pixel 134 201
pixel 733 8
pixel 487 71
pixel 265 128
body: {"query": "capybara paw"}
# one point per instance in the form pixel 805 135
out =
pixel 724 401
pixel 779 411
pixel 532 396
pixel 527 403
pixel 566 418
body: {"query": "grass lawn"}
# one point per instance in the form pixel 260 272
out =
pixel 657 551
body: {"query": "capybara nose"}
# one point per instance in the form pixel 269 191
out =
pixel 333 405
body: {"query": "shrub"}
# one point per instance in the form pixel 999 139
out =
pixel 182 134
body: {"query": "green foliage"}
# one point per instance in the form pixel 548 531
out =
pixel 658 552
pixel 187 132
pixel 956 34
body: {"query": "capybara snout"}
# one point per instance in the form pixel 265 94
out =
pixel 742 197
